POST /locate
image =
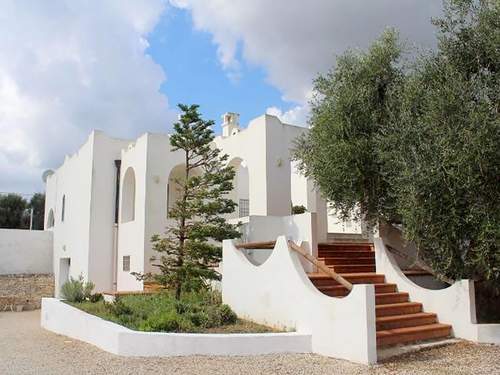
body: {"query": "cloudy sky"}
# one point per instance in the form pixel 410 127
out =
pixel 69 66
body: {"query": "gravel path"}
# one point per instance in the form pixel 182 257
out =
pixel 25 348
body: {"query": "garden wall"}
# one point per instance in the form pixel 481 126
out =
pixel 25 268
pixel 64 319
pixel 24 291
pixel 25 251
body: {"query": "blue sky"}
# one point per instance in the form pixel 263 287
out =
pixel 195 75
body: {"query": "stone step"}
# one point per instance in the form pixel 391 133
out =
pixel 345 247
pixel 340 291
pixel 321 279
pixel 353 268
pixel 398 308
pixel 405 320
pixel 391 298
pixel 346 254
pixel 347 260
pixel 412 334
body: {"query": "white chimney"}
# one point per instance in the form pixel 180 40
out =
pixel 230 124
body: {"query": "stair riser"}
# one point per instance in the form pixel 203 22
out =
pixel 416 336
pixel 341 291
pixel 346 254
pixel 353 260
pixel 352 268
pixel 384 300
pixel 399 310
pixel 344 248
pixel 361 280
pixel 406 323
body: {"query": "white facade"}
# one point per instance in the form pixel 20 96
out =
pixel 107 200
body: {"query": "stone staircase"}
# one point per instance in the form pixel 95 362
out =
pixel 398 320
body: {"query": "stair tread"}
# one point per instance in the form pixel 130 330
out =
pixel 410 330
pixel 399 304
pixel 328 287
pixel 320 275
pixel 392 294
pixel 395 318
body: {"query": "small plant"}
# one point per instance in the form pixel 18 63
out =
pixel 297 210
pixel 96 297
pixel 77 290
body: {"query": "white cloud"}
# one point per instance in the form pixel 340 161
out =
pixel 67 67
pixel 294 40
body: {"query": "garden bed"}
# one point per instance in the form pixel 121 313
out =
pixel 64 319
pixel 201 312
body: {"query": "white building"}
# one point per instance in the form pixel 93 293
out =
pixel 107 200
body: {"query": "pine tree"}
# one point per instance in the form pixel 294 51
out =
pixel 190 248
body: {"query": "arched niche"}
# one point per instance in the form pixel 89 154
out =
pixel 128 196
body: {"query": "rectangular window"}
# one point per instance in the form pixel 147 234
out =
pixel 126 263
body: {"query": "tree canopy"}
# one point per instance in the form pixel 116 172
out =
pixel 418 142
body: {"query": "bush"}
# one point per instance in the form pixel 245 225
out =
pixel 297 210
pixel 76 290
pixel 94 298
pixel 195 312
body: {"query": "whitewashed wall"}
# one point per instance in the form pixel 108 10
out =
pixel 279 293
pixel 454 305
pixel 25 252
pixel 63 319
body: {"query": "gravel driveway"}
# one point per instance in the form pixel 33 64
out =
pixel 25 348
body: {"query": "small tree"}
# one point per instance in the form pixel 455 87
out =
pixel 191 247
pixel 12 210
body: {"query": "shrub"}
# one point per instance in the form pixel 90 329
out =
pixel 76 290
pixel 297 210
pixel 94 298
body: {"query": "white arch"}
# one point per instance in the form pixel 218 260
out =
pixel 128 196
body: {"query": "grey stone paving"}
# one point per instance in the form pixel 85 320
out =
pixel 25 348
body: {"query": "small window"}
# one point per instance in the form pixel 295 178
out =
pixel 63 207
pixel 126 263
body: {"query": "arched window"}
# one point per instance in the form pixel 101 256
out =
pixel 128 196
pixel 50 219
pixel 63 209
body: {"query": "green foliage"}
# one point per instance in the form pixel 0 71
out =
pixel 12 211
pixel 77 290
pixel 419 146
pixel 349 111
pixel 191 247
pixel 442 152
pixel 194 312
pixel 297 210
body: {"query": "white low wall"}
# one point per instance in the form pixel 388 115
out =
pixel 454 305
pixel 279 293
pixel 25 251
pixel 64 319
pixel 299 228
